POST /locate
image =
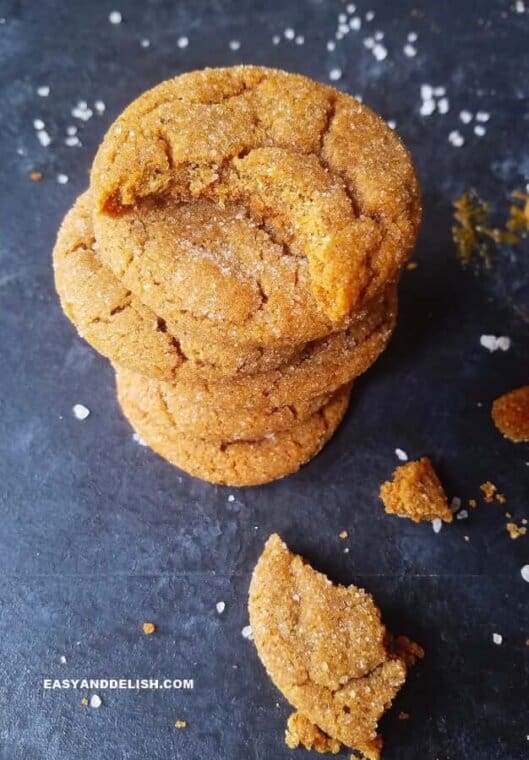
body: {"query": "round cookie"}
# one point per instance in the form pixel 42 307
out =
pixel 118 325
pixel 265 207
pixel 324 647
pixel 235 463
pixel 197 415
pixel 254 405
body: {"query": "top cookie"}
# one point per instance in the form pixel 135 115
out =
pixel 264 204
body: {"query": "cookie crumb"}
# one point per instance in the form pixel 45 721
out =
pixel 411 265
pixel 515 531
pixel 180 724
pixel 343 534
pixel 416 492
pixel 35 176
pixel 472 503
pixel 403 715
pixel 510 414
pixel 80 411
pixel 84 701
pixel 489 491
pixel 148 628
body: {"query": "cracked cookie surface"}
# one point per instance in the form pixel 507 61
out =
pixel 117 324
pixel 324 646
pixel 253 405
pixel 239 462
pixel 284 202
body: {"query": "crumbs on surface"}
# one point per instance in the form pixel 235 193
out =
pixel 416 492
pixel 148 628
pixel 510 414
pixel 180 724
pixel 403 715
pixel 473 231
pixel 491 493
pixel 515 531
pixel 35 176
pixel 343 534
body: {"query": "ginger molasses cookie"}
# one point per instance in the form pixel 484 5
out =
pixel 325 648
pixel 118 325
pixel 235 463
pixel 257 205
pixel 195 413
pixel 251 406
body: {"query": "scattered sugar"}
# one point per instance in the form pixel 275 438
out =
pixel 443 105
pixel 234 44
pixel 72 142
pixel 289 33
pixel 80 411
pixel 276 39
pixel 493 343
pixel 409 50
pixel 43 138
pixel 455 504
pixel 145 43
pixel 62 659
pixel 378 36
pixel 427 107
pixel 231 498
pixel 456 139
pixel 350 8
pixel 355 24
pixel 497 638
pixel 412 37
pixel 335 75
pixel 479 130
pixel 466 116
pixel 81 111
pixel 38 124
pixel 401 455
pixel 370 15
pixel 247 632
pixel 462 515
pixel 95 701
pixel 519 6
pixel 182 42
pixel 392 123
pixel 331 45
pixel 43 91
pixel 115 17
pixel 99 106
pixel 62 179
pixel 482 116
pixel 525 573
pixel 138 439
pixel 220 607
pixel 300 39
pixel 437 524
pixel 71 130
pixel 380 52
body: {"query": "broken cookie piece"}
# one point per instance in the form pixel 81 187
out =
pixel 326 649
pixel 416 492
pixel 510 414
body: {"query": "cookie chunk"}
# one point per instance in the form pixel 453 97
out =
pixel 416 492
pixel 324 647
pixel 510 414
pixel 118 325
pixel 238 462
pixel 261 205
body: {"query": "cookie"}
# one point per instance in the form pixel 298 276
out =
pixel 235 463
pixel 118 325
pixel 256 404
pixel 196 415
pixel 510 414
pixel 253 205
pixel 416 492
pixel 324 647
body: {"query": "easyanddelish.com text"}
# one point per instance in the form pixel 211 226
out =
pixel 118 683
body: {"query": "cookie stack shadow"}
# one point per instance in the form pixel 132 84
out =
pixel 219 261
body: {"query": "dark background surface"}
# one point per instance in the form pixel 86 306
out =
pixel 98 534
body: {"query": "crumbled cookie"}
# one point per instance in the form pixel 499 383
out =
pixel 252 185
pixel 238 462
pixel 510 414
pixel 324 647
pixel 300 731
pixel 416 492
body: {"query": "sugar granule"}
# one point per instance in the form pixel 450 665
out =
pixel 80 411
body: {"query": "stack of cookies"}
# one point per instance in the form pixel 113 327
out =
pixel 236 257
